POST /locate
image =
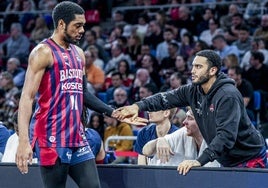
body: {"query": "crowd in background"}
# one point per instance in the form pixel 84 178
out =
pixel 141 52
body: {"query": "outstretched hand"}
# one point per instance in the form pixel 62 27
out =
pixel 129 114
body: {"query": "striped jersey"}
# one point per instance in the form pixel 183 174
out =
pixel 56 121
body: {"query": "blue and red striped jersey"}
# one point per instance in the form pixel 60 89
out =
pixel 56 121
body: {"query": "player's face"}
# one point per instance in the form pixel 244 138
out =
pixel 190 124
pixel 74 30
pixel 200 71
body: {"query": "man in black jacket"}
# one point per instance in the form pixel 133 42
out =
pixel 220 113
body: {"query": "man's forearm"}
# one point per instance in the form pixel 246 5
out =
pixel 149 148
pixel 94 103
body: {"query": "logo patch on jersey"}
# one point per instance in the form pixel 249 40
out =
pixel 66 59
pixel 52 139
pixel 211 108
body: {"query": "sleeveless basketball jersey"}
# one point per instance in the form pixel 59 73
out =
pixel 56 121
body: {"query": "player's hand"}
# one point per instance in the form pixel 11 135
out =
pixel 126 112
pixel 186 165
pixel 163 150
pixel 24 156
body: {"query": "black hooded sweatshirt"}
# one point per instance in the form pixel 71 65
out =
pixel 221 117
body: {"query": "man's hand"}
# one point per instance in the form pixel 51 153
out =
pixel 163 150
pixel 186 165
pixel 126 112
pixel 23 156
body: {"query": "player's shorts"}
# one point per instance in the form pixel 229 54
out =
pixel 48 156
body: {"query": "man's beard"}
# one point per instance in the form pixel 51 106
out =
pixel 203 79
pixel 68 39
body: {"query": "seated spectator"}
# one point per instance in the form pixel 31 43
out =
pixel 27 18
pixel 133 48
pixel 90 39
pixel 117 128
pixel 243 43
pixel 120 98
pixel 17 45
pixel 149 62
pixel 262 31
pixel 2 104
pixel 96 59
pixel 245 88
pixel 96 122
pixel 18 73
pixel 172 149
pixel 4 135
pixel 142 78
pixel 154 35
pixel 117 81
pixel 12 143
pixel 222 48
pixel 213 30
pixel 230 60
pixel 159 127
pixel 124 69
pixel 187 45
pixel 169 61
pixel 182 67
pixel 231 34
pixel 40 31
pixel 256 45
pixel 257 76
pixel 95 75
pixel 117 55
pixel 6 83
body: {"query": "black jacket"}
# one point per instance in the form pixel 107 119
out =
pixel 221 117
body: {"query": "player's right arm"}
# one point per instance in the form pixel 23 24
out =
pixel 40 58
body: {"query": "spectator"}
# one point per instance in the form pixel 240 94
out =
pixel 117 128
pixel 222 48
pixel 117 81
pixel 187 45
pixel 173 148
pixel 154 35
pixel 185 21
pixel 162 48
pixel 91 39
pixel 124 69
pixel 118 18
pixel 204 24
pixel 96 122
pixel 243 43
pixel 95 55
pixel 6 83
pixel 95 75
pixel 27 18
pixel 4 135
pixel 229 61
pixel 262 31
pixel 133 48
pixel 142 25
pixel 181 67
pixel 226 20
pixel 142 78
pixel 120 98
pixel 231 34
pixel 159 127
pixel 18 73
pixel 213 30
pixel 150 63
pixel 168 62
pixel 256 45
pixel 117 55
pixel 17 45
pixel 40 31
pixel 245 88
